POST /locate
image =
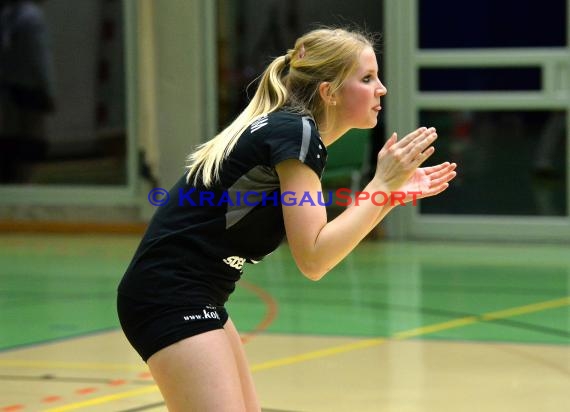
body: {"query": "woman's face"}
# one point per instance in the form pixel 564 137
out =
pixel 358 101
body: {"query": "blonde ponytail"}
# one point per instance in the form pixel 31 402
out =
pixel 205 163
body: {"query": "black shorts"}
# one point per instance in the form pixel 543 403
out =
pixel 150 327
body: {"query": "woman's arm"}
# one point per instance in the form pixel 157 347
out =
pixel 317 245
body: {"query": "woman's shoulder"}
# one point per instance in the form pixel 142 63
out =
pixel 289 114
pixel 280 125
pixel 288 119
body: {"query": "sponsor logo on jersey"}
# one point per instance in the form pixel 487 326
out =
pixel 235 262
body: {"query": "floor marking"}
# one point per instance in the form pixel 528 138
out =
pixel 522 310
pixel 51 399
pixel 85 391
pixel 336 350
pixel 104 399
pixel 146 407
pixel 70 379
pixel 70 365
pixel 321 353
pixel 270 311
pixel 425 330
pixel 438 327
pixel 12 408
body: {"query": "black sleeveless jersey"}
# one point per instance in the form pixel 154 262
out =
pixel 196 245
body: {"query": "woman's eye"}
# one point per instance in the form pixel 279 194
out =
pixel 366 79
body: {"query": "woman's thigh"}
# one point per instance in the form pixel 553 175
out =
pixel 199 373
pixel 247 383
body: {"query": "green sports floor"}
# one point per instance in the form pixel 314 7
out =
pixel 58 288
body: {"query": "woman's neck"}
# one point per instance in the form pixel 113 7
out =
pixel 330 135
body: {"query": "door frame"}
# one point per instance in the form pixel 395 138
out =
pixel 404 102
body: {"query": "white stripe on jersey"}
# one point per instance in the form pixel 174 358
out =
pixel 258 124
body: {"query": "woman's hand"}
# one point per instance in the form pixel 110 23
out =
pixel 399 160
pixel 428 181
pixel 398 166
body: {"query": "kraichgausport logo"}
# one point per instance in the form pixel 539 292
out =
pixel 340 197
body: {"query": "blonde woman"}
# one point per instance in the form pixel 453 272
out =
pixel 228 210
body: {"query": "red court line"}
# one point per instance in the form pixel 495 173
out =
pixel 85 391
pixel 12 408
pixel 51 399
pixel 145 375
pixel 270 309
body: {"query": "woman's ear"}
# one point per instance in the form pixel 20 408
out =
pixel 325 93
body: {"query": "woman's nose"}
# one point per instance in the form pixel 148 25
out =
pixel 381 90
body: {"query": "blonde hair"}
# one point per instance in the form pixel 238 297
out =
pixel 324 54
